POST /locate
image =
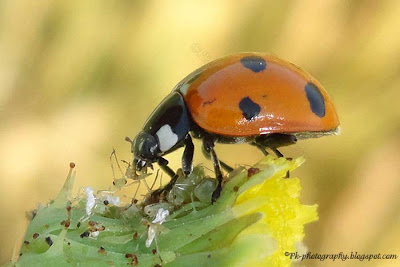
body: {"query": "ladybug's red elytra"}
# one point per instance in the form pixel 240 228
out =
pixel 253 98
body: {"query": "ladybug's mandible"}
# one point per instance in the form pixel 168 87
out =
pixel 250 98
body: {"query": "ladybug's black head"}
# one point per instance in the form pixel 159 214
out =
pixel 145 148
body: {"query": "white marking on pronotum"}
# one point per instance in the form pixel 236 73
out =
pixel 166 137
pixel 91 200
pixel 160 218
pixel 184 88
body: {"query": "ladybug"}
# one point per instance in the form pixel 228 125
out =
pixel 253 98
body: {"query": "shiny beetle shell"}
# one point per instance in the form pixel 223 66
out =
pixel 250 94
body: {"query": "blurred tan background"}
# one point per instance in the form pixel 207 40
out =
pixel 76 77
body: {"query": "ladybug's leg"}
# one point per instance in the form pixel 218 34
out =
pixel 265 152
pixel 187 167
pixel 277 153
pixel 273 141
pixel 260 147
pixel 224 166
pixel 163 163
pixel 280 155
pixel 187 157
pixel 208 145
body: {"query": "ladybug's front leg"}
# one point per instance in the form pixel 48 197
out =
pixel 163 163
pixel 161 192
pixel 187 167
pixel 208 145
pixel 187 157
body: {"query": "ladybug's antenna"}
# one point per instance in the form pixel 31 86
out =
pixel 128 140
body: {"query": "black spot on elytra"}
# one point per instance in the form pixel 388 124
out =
pixel 254 63
pixel 316 99
pixel 249 108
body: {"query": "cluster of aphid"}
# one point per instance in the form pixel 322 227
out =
pixel 193 188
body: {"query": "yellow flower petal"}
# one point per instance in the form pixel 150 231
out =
pixel 277 198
